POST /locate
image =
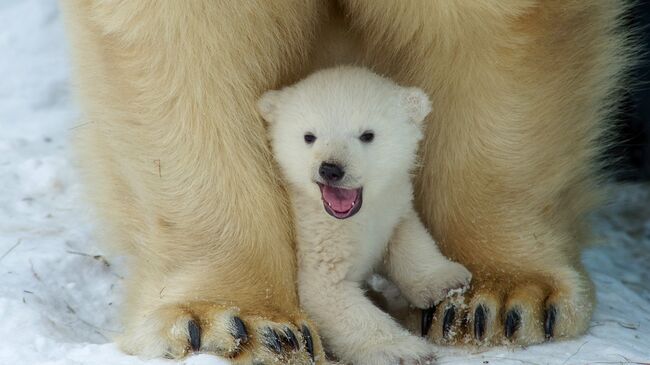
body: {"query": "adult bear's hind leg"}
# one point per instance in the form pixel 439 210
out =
pixel 178 166
pixel 520 92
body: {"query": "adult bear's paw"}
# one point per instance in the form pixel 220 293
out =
pixel 180 330
pixel 519 308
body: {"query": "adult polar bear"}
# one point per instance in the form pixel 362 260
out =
pixel 179 168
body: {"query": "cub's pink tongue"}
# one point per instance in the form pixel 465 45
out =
pixel 340 200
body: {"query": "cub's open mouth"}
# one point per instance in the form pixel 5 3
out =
pixel 340 203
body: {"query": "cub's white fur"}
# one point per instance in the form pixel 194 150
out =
pixel 335 256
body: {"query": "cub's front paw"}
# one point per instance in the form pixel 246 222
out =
pixel 434 286
pixel 406 350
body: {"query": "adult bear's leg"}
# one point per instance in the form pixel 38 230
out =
pixel 520 93
pixel 179 168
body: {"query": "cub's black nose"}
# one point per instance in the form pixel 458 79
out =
pixel 330 171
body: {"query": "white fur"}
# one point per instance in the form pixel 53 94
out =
pixel 336 256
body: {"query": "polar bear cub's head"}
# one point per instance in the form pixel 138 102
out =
pixel 344 133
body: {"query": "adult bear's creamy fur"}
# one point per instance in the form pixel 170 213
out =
pixel 176 162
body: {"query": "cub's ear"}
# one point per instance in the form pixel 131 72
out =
pixel 267 105
pixel 417 104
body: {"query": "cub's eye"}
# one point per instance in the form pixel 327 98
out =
pixel 367 137
pixel 309 138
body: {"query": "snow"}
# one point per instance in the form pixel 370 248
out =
pixel 59 296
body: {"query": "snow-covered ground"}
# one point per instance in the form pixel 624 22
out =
pixel 58 295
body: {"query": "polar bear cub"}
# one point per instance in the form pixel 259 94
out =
pixel 346 139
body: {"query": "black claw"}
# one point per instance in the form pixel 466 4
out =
pixel 549 322
pixel 448 321
pixel 272 340
pixel 479 322
pixel 513 319
pixel 239 331
pixel 309 342
pixel 427 319
pixel 289 338
pixel 195 335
